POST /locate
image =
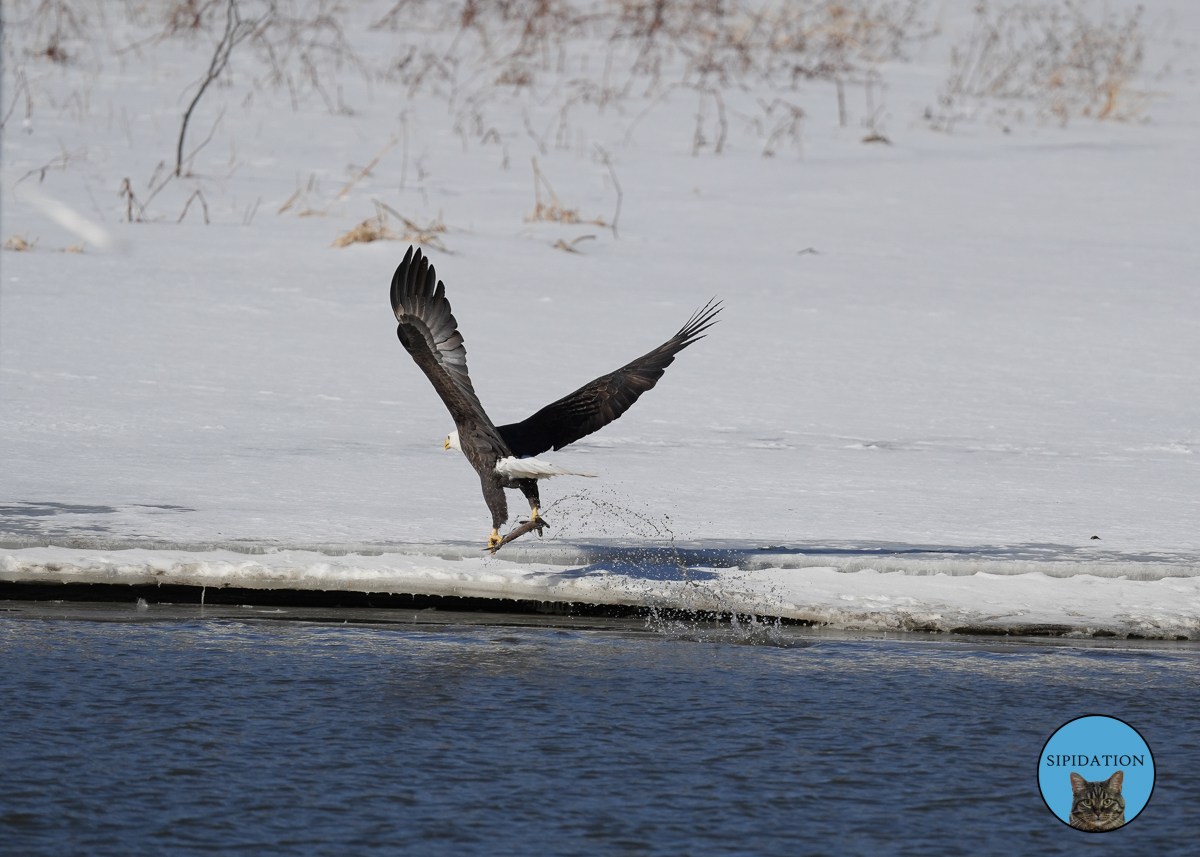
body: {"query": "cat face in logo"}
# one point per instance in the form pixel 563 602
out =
pixel 1098 805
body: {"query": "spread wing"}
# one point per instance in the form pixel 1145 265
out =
pixel 598 403
pixel 428 331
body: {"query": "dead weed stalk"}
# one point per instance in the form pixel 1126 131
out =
pixel 20 243
pixel 378 228
pixel 551 210
pixel 1052 60
pixel 196 194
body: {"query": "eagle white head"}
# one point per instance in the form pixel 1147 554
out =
pixel 452 441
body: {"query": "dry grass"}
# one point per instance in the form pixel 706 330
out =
pixel 373 229
pixel 59 29
pixel 427 234
pixel 301 194
pixel 567 55
pixel 20 243
pixel 551 209
pixel 502 67
pixel 570 246
pixel 1049 60
pixel 788 124
pixel 379 228
pixel 553 212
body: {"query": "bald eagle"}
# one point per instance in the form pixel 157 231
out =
pixel 503 455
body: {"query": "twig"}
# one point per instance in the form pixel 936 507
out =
pixel 249 218
pixel 612 173
pixel 22 85
pixel 722 123
pixel 195 194
pixel 377 229
pixel 404 162
pixel 235 30
pixel 538 178
pixel 154 175
pixel 662 96
pixel 95 205
pixel 698 141
pixel 534 135
pixel 554 211
pixel 291 199
pixel 390 17
pixel 58 162
pixel 126 193
pixel 155 190
pixel 211 133
pixel 570 247
pixel 365 170
pixel 789 125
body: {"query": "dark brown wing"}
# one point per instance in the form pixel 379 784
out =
pixel 428 331
pixel 597 404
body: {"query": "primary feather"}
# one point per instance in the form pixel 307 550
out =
pixel 428 331
pixel 599 402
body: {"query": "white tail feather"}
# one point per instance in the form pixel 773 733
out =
pixel 532 468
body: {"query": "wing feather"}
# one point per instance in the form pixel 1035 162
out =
pixel 428 331
pixel 598 403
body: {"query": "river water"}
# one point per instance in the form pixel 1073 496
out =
pixel 162 731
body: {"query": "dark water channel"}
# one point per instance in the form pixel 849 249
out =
pixel 148 733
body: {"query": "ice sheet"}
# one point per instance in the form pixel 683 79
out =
pixel 855 596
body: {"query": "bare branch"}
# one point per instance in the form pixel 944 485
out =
pixel 366 170
pixel 235 31
pixel 196 194
pixel 612 173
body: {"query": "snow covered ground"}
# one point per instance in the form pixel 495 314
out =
pixel 965 351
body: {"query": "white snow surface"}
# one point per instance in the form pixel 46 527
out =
pixel 944 364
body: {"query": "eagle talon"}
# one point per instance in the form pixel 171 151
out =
pixel 494 540
pixel 535 522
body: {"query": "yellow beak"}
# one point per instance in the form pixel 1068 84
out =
pixel 447 443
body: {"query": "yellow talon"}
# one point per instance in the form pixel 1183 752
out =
pixel 535 513
pixel 494 540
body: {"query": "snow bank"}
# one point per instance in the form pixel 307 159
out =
pixel 853 593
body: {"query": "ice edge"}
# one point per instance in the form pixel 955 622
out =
pixel 850 596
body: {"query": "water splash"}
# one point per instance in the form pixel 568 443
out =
pixel 588 514
pixel 686 603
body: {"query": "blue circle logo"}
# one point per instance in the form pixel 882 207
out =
pixel 1096 773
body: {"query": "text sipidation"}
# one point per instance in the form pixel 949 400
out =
pixel 1064 761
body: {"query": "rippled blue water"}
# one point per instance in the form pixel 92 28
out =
pixel 222 736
